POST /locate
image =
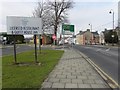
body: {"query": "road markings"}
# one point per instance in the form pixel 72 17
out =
pixel 112 83
pixel 98 50
pixel 107 49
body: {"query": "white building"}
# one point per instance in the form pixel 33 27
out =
pixel 101 38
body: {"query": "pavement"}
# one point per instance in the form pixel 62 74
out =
pixel 73 71
pixel 0 46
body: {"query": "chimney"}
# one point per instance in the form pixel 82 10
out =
pixel 88 30
pixel 80 31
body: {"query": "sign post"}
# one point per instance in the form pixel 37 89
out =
pixel 15 49
pixel 54 38
pixel 24 26
pixel 39 36
pixel 35 49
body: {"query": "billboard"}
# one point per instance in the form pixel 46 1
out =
pixel 24 25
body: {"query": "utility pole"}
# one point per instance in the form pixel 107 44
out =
pixel 91 32
pixel 112 12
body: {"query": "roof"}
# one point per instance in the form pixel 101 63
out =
pixel 95 33
pixel 80 33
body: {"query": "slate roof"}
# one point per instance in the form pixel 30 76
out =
pixel 95 33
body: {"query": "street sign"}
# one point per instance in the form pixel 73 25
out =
pixel 54 37
pixel 66 27
pixel 24 25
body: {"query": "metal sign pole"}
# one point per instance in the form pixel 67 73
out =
pixel 15 49
pixel 40 44
pixel 63 39
pixel 35 49
pixel 63 35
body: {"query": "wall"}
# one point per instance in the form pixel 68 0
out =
pixel 79 39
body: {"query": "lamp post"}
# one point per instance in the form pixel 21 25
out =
pixel 91 31
pixel 112 12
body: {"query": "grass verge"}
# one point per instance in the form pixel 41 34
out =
pixel 28 76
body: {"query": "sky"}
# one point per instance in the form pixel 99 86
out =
pixel 83 13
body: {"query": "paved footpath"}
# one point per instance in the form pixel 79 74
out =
pixel 73 71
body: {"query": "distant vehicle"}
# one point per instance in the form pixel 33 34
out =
pixel 61 42
pixel 4 42
pixel 11 43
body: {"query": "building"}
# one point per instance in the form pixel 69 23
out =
pixel 45 39
pixel 111 36
pixel 80 38
pixel 87 37
pixel 95 38
pixel 102 38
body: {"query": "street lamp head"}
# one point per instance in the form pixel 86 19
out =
pixel 110 12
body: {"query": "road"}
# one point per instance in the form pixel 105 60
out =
pixel 105 57
pixel 8 49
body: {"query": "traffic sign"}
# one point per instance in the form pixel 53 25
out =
pixel 67 27
pixel 54 37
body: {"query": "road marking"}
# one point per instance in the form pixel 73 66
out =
pixel 98 50
pixel 88 47
pixel 107 49
pixel 112 83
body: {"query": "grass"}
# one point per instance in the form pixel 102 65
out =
pixel 31 76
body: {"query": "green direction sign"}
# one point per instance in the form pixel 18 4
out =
pixel 66 27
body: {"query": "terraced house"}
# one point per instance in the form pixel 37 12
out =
pixel 87 37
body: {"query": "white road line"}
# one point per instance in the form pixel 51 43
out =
pixel 107 49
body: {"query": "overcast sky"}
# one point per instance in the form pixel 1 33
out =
pixel 84 12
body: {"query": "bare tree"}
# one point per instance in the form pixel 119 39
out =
pixel 59 8
pixel 53 13
pixel 46 14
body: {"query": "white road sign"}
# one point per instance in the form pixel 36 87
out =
pixel 24 25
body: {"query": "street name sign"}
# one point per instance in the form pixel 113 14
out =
pixel 24 25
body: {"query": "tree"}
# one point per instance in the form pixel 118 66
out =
pixel 53 13
pixel 42 11
pixel 109 38
pixel 59 8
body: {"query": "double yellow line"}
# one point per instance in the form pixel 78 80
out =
pixel 112 83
